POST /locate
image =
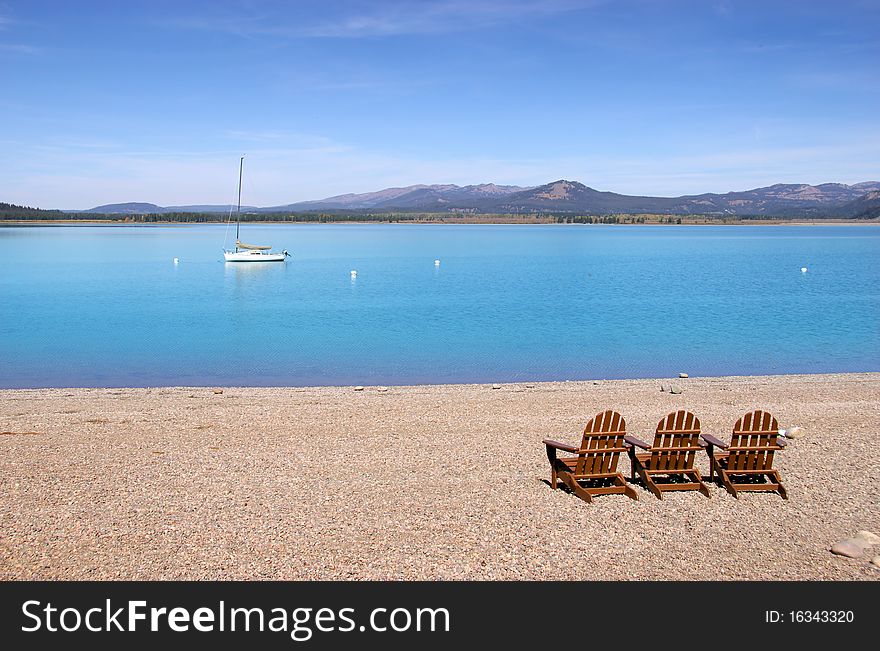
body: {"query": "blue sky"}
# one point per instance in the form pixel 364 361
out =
pixel 154 101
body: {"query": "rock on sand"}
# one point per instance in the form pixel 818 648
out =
pixel 850 548
pixel 869 538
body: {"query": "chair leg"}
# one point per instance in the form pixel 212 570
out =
pixel 576 488
pixel 703 488
pixel 650 483
pixel 725 480
pixel 552 477
pixel 628 490
pixel 781 490
pixel 636 468
pixel 632 464
pixel 709 449
pixel 714 471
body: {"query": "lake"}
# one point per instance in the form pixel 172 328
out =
pixel 107 306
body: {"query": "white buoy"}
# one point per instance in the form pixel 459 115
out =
pixel 354 273
pixel 176 260
pixel 436 263
pixel 803 270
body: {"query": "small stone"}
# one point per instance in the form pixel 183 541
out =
pixel 849 548
pixel 682 375
pixel 358 388
pixel 595 382
pixel 496 386
pixel 868 537
pixel 876 562
pixel 381 389
pixel 218 391
pixel 674 390
pixel 662 388
pixel 794 433
pixel 530 386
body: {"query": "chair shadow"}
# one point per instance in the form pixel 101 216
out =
pixel 565 489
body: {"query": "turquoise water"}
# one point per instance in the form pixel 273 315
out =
pixel 106 306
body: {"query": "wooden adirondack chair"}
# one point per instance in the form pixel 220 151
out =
pixel 676 443
pixel 746 463
pixel 594 470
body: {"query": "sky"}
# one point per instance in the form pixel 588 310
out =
pixel 105 102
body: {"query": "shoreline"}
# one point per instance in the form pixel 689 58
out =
pixel 426 222
pixel 667 379
pixel 418 482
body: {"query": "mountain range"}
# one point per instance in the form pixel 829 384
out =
pixel 861 200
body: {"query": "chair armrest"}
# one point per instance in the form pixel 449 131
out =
pixel 559 446
pixel 711 440
pixel 632 440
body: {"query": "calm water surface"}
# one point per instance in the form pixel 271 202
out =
pixel 106 306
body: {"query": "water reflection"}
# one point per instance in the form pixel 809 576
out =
pixel 251 270
pixel 251 280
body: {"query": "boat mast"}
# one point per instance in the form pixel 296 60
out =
pixel 238 214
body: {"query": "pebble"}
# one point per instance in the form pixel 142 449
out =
pixel 674 390
pixel 876 562
pixel 794 433
pixel 358 388
pixel 682 375
pixel 849 548
pixel 868 537
pixel 218 391
pixel 381 389
pixel 496 386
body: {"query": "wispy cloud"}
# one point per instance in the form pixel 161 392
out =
pixel 391 19
pixel 284 141
pixel 15 48
pixel 837 80
pixel 766 48
pixel 273 135
pixel 432 17
pixel 20 48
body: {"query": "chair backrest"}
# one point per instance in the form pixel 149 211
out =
pixel 754 441
pixel 602 444
pixel 676 442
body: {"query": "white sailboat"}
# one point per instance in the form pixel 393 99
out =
pixel 249 252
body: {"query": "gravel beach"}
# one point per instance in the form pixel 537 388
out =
pixel 418 482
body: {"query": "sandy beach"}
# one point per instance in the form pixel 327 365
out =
pixel 421 482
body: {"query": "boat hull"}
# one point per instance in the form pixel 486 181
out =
pixel 254 256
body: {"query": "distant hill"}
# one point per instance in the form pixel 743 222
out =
pixel 865 207
pixel 417 197
pixel 132 208
pixel 207 208
pixel 781 200
pixel 139 208
pixel 784 200
pixel 795 200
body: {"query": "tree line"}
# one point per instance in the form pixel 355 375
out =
pixel 12 212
